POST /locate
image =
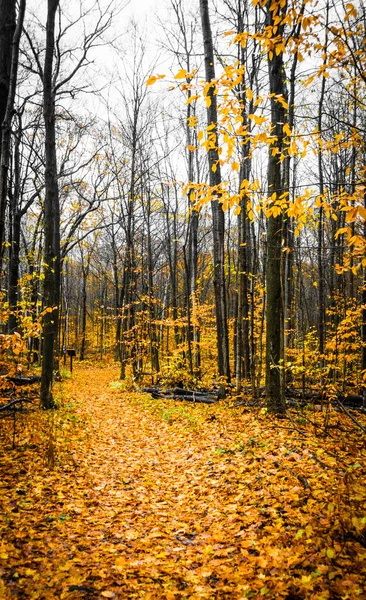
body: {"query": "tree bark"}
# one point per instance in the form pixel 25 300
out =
pixel 216 207
pixel 10 35
pixel 274 313
pixel 7 28
pixel 51 289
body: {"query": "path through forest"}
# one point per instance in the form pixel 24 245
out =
pixel 130 497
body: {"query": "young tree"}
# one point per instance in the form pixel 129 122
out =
pixel 218 218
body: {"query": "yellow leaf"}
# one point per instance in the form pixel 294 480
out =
pixel 249 94
pixel 257 119
pixel 235 166
pixel 208 101
pixel 192 99
pixel 181 74
pixel 362 212
pixel 330 553
pixel 108 594
pixel 153 78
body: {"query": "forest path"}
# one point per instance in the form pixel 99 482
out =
pixel 136 498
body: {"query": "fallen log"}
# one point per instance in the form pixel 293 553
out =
pixel 182 395
pixel 193 393
pixel 316 397
pixel 18 380
pixel 13 402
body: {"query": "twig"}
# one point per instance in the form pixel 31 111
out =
pixel 350 416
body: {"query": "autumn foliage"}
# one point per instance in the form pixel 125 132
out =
pixel 118 495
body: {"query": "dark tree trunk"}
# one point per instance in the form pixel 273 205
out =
pixel 274 313
pixel 152 329
pixel 216 207
pixel 83 313
pixel 14 271
pixel 7 28
pixel 288 236
pixel 51 288
pixel 194 329
pixel 363 326
pixel 10 34
pixel 320 249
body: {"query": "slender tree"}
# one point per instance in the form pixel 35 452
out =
pixel 9 58
pixel 216 207
pixel 51 288
pixel 274 312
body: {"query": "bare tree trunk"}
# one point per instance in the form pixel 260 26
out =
pixel 152 328
pixel 216 207
pixel 321 289
pixel 363 326
pixel 288 236
pixel 274 314
pixel 7 28
pixel 85 266
pixel 10 56
pixel 51 288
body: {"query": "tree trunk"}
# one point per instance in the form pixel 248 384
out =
pixel 51 289
pixel 10 35
pixel 7 28
pixel 320 250
pixel 274 313
pixel 216 207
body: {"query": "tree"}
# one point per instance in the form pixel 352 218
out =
pixel 52 266
pixel 275 299
pixel 9 57
pixel 218 220
pixel 7 28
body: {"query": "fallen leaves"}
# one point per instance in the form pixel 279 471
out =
pixel 149 499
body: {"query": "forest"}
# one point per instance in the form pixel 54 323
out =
pixel 183 299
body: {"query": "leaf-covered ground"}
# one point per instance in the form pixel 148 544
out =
pixel 117 495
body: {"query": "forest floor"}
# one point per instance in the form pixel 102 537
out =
pixel 117 495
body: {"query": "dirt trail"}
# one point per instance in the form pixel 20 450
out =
pixel 151 499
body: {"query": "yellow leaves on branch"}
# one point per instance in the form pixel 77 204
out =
pixel 12 342
pixel 201 194
pixel 351 11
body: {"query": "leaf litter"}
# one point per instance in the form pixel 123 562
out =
pixel 117 495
